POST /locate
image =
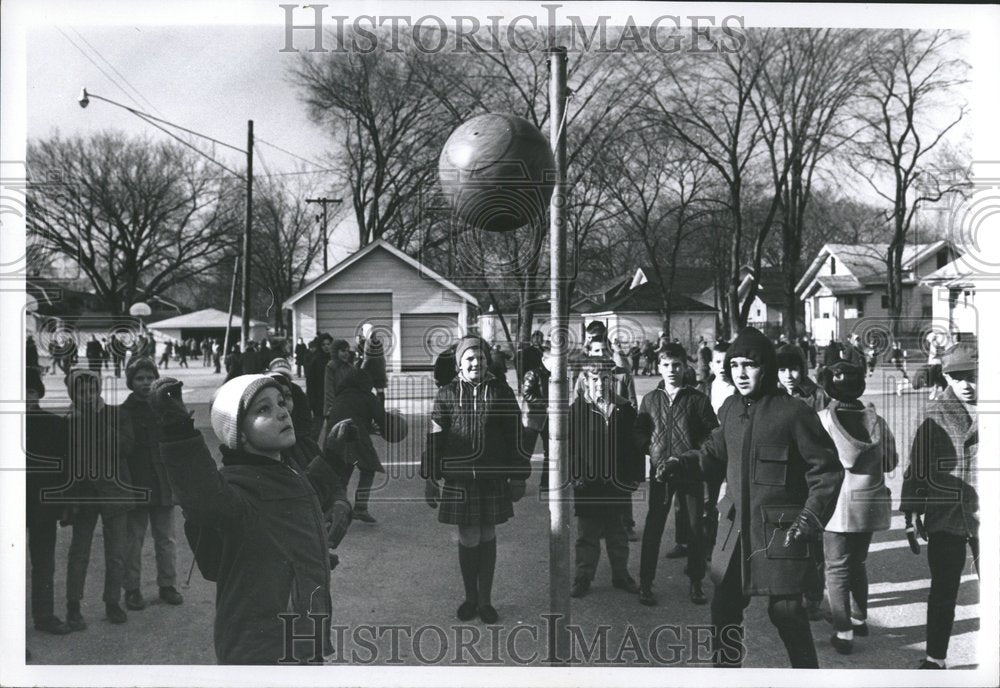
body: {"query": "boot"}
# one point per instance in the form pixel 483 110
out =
pixel 116 614
pixel 74 619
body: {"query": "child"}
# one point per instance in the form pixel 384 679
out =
pixel 605 467
pixel 673 419
pixel 794 378
pixel 267 512
pixel 472 445
pixel 782 480
pixel 940 486
pixel 535 421
pixel 867 449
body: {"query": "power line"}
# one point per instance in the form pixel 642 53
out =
pixel 122 76
pixel 192 147
pixel 99 68
pixel 283 150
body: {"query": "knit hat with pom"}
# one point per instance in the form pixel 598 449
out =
pixel 282 366
pixel 230 403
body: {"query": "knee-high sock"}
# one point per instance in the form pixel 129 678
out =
pixel 468 561
pixel 487 566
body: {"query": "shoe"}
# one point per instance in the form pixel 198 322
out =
pixel 927 664
pixel 74 619
pixel 631 534
pixel 647 597
pixel 134 601
pixel 697 594
pixel 580 588
pixel 677 552
pixel 52 624
pixel 363 515
pixel 467 611
pixel 860 629
pixel 627 584
pixel 488 614
pixel 116 614
pixel 813 610
pixel 169 594
pixel 841 645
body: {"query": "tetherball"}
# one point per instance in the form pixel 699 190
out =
pixel 497 172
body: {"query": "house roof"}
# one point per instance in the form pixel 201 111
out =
pixel 957 273
pixel 866 262
pixel 841 284
pixel 207 318
pixel 646 297
pixel 367 250
pixel 769 290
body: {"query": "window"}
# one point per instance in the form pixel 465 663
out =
pixel 758 312
pixel 885 302
pixel 926 306
pixel 849 302
pixel 833 265
pixel 826 316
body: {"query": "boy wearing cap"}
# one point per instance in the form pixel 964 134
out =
pixel 605 467
pixel 472 446
pixel 794 378
pixel 156 509
pixel 267 511
pixel 782 481
pixel 940 490
pixel 45 459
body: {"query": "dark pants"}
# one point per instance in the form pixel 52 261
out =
pixel 529 439
pixel 160 520
pixel 119 364
pixel 847 576
pixel 785 611
pixel 711 519
pixel 363 492
pixel 218 363
pixel 115 536
pixel 590 530
pixel 42 550
pixel 946 557
pixel 660 497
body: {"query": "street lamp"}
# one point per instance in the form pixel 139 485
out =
pixel 84 101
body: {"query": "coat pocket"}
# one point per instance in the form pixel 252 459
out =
pixel 770 465
pixel 776 521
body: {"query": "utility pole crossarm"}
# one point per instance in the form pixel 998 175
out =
pixel 324 202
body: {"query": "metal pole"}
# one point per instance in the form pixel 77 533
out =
pixel 559 561
pixel 245 311
pixel 232 302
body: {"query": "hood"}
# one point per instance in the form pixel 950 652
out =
pixel 751 343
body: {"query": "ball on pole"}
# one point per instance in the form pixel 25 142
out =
pixel 497 172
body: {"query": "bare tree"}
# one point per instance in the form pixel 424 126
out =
pixel 908 109
pixel 138 217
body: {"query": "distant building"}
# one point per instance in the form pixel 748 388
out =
pixel 953 297
pixel 208 322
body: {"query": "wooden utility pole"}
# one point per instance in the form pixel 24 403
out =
pixel 245 311
pixel 324 202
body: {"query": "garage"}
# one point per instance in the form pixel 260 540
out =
pixel 424 336
pixel 342 315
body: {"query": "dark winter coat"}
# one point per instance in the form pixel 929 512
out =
pixel 98 443
pixel 274 555
pixel 333 376
pixel 374 363
pixel 474 430
pixel 46 447
pixel 775 458
pixel 315 376
pixel 811 394
pixel 354 400
pixel 605 464
pixel 301 352
pixel 940 481
pixel 142 451
pixel 253 362
pixel 445 369
pixel 664 429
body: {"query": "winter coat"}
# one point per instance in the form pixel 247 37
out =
pixel 253 362
pixel 333 375
pixel 46 447
pixel 301 352
pixel 98 446
pixel 354 400
pixel 374 363
pixel 811 394
pixel 315 377
pixel 624 386
pixel 142 451
pixel 274 555
pixel 941 480
pixel 535 392
pixel 864 505
pixel 775 458
pixel 445 369
pixel 474 430
pixel 664 429
pixel 605 464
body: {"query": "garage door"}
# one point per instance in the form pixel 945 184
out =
pixel 342 315
pixel 426 335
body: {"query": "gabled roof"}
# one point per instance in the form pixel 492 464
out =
pixel 841 284
pixel 957 273
pixel 646 297
pixel 866 262
pixel 769 290
pixel 207 318
pixel 370 248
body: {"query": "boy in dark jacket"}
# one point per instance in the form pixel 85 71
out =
pixel 156 510
pixel 605 467
pixel 267 511
pixel 782 483
pixel 472 445
pixel 673 419
pixel 794 378
pixel 940 490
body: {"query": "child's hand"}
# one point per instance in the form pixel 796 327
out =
pixel 432 493
pixel 341 519
pixel 167 402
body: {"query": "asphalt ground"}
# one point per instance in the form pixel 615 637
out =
pixel 397 587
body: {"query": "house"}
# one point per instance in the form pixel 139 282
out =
pixel 416 312
pixel 953 297
pixel 847 283
pixel 208 322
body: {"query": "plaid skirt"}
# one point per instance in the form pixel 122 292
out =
pixel 474 502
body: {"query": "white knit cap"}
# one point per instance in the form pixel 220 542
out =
pixel 230 402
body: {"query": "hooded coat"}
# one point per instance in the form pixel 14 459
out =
pixel 940 481
pixel 274 557
pixel 353 399
pixel 776 459
pixel 805 389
